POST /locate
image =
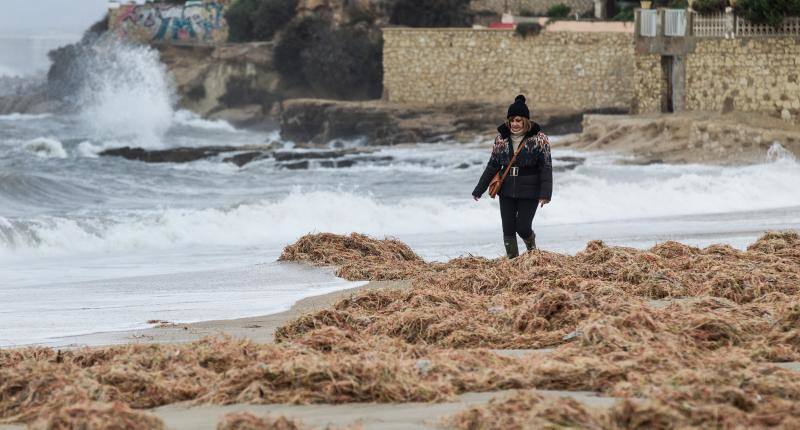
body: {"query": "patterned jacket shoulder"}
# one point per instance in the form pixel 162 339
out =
pixel 500 144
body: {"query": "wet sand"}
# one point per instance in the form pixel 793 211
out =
pixel 259 329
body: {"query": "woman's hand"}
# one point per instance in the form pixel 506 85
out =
pixel 543 202
pixel 476 198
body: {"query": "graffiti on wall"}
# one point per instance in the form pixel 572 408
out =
pixel 195 22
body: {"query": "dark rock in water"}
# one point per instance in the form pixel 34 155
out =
pixel 564 168
pixel 310 155
pixel 297 165
pixel 175 155
pixel 573 162
pixel 463 166
pixel 335 162
pixel 568 159
pixel 241 159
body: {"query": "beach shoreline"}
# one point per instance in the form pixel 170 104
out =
pixel 259 329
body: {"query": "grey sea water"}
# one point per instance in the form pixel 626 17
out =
pixel 90 244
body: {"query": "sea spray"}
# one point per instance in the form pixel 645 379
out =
pixel 777 153
pixel 46 147
pixel 126 93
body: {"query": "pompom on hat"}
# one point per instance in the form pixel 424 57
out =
pixel 519 108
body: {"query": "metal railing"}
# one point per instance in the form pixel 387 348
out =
pixel 712 25
pixel 789 27
pixel 675 22
pixel 681 23
pixel 648 23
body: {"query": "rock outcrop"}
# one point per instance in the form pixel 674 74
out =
pixel 237 83
pixel 241 156
pixel 313 121
pixel 21 95
pixel 689 137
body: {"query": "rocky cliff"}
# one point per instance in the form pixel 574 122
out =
pixel 234 82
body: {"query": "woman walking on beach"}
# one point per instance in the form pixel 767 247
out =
pixel 520 161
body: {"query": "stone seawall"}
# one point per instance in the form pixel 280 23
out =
pixel 758 74
pixel 533 7
pixel 579 70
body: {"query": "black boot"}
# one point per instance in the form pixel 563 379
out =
pixel 530 242
pixel 512 250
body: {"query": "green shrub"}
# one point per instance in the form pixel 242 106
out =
pixel 558 11
pixel 431 13
pixel 342 63
pixel 298 36
pixel 348 65
pixel 709 6
pixel 526 29
pixel 240 27
pixel 257 20
pixel 769 12
pixel 626 14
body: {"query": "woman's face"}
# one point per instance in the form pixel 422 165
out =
pixel 516 123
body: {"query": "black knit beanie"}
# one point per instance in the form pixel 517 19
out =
pixel 519 108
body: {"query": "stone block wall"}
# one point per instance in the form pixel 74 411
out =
pixel 647 84
pixel 197 22
pixel 754 74
pixel 567 69
pixel 536 7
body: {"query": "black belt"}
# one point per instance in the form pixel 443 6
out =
pixel 522 171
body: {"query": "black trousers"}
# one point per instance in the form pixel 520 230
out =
pixel 517 216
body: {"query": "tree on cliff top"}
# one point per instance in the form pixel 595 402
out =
pixel 770 12
pixel 343 63
pixel 431 13
pixel 258 20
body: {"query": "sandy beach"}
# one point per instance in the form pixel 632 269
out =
pixel 259 329
pixel 607 338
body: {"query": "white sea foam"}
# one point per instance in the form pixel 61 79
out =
pixel 46 147
pixel 191 119
pixel 7 71
pixel 777 152
pixel 23 117
pixel 89 149
pixel 580 197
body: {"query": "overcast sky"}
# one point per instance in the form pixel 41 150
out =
pixel 33 16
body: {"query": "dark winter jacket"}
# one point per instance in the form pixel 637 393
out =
pixel 536 178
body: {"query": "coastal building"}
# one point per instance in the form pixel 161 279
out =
pixel 716 62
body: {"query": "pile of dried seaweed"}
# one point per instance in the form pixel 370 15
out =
pixel 536 300
pixel 98 416
pixel 356 256
pixel 248 421
pixel 685 335
pixel 722 408
pixel 329 365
